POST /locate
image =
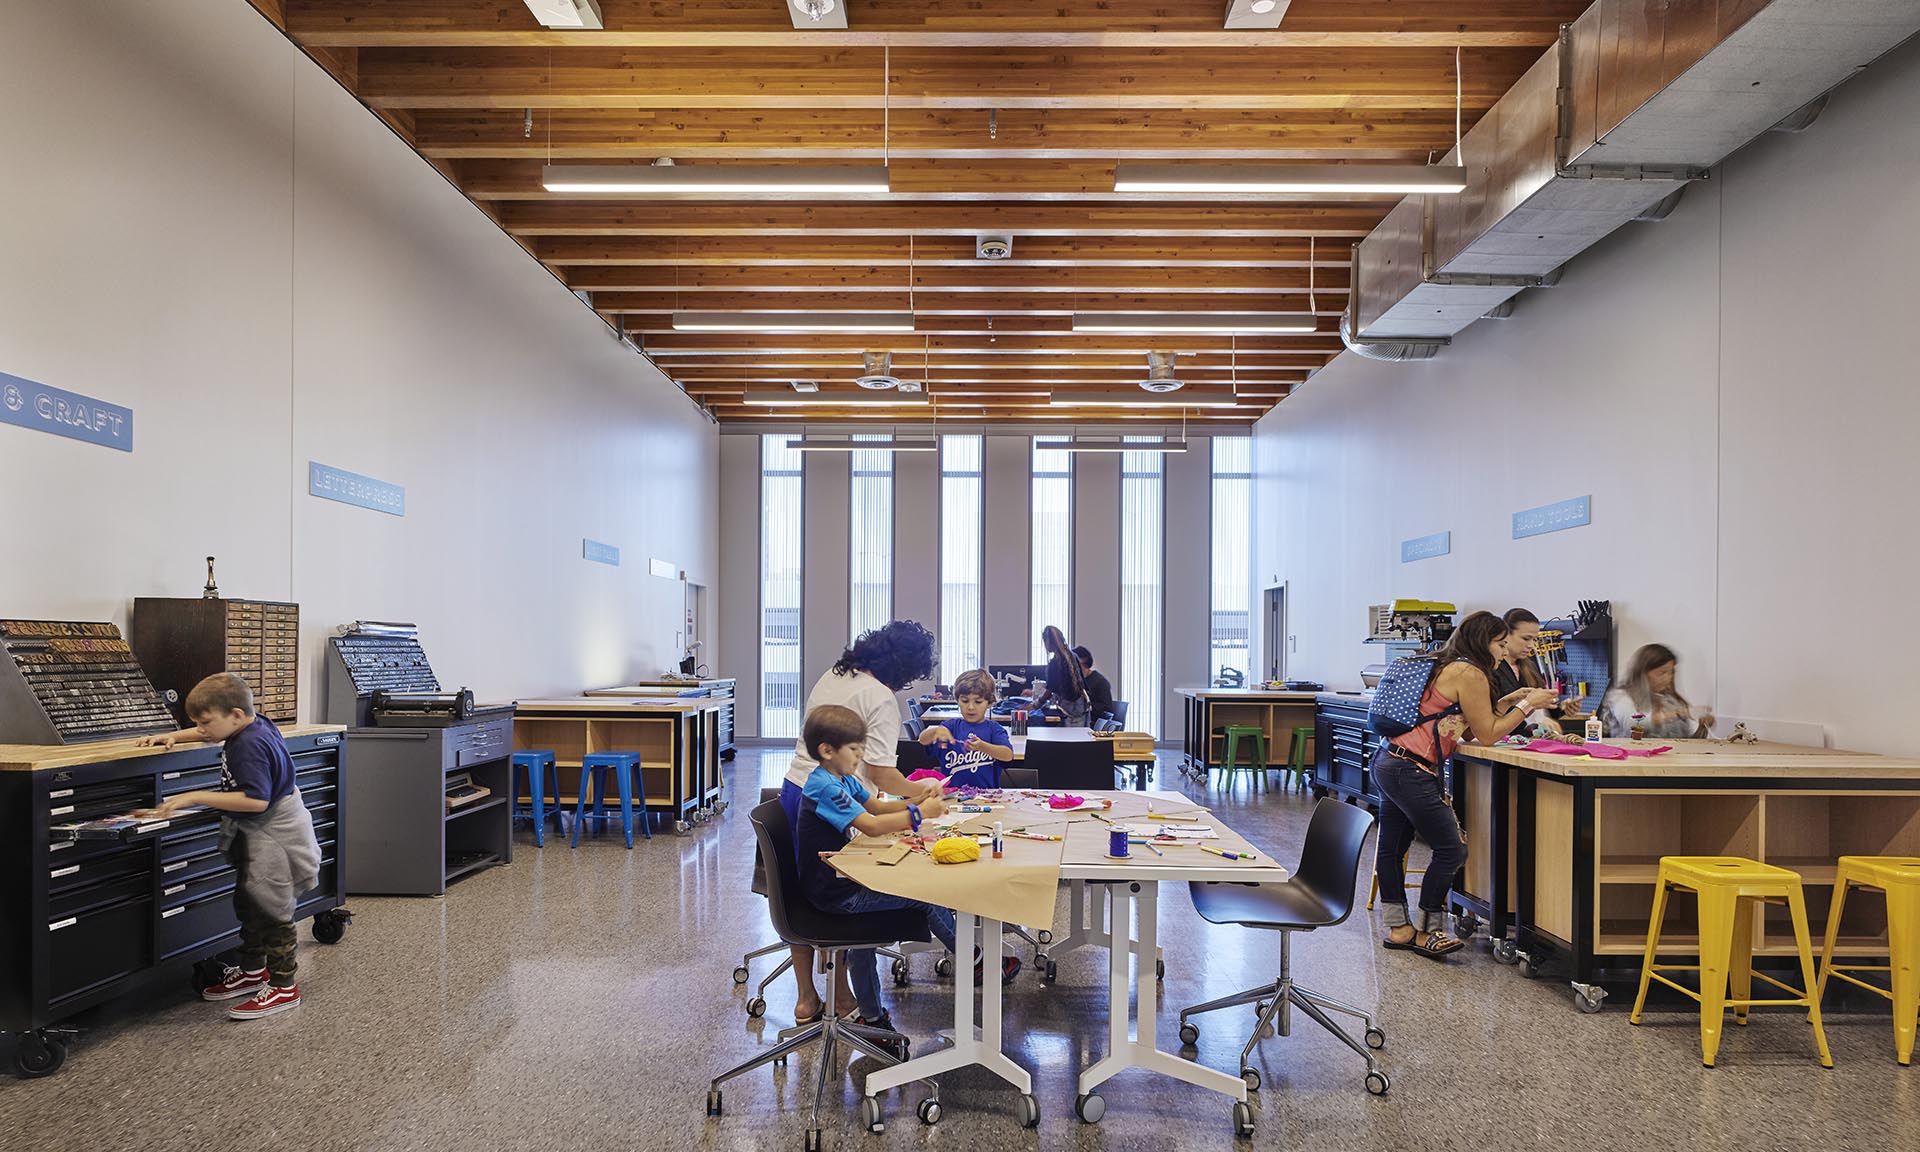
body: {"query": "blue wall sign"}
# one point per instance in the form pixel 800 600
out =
pixel 1426 547
pixel 337 484
pixel 600 553
pixel 67 414
pixel 1553 517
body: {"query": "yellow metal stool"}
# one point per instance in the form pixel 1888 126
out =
pixel 1898 877
pixel 1373 893
pixel 1729 889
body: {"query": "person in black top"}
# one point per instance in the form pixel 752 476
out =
pixel 1519 668
pixel 1066 686
pixel 1099 690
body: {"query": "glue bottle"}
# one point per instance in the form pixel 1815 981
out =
pixel 1593 727
pixel 998 830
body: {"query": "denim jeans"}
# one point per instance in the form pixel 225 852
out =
pixel 863 968
pixel 1412 801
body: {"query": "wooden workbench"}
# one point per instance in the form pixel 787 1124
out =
pixel 41 757
pixel 1277 714
pixel 678 740
pixel 1564 850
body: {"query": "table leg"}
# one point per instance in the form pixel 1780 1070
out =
pixel 971 1045
pixel 1087 925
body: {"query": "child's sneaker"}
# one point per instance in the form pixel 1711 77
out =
pixel 894 1045
pixel 270 999
pixel 1009 968
pixel 235 982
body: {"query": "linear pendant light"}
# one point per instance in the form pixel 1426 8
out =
pixel 1265 178
pixel 746 179
pixel 793 322
pixel 1134 398
pixel 1079 444
pixel 1198 323
pixel 834 444
pixel 773 399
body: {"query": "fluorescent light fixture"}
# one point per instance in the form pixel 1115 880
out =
pixel 1258 178
pixel 1079 445
pixel 649 179
pixel 1196 323
pixel 566 13
pixel 770 399
pixel 793 321
pixel 1244 14
pixel 1135 398
pixel 835 444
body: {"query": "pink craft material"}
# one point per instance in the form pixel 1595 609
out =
pixel 1065 801
pixel 925 774
pixel 1596 751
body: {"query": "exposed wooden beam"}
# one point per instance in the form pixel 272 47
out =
pixel 988 367
pixel 1185 251
pixel 914 344
pixel 981 277
pixel 889 218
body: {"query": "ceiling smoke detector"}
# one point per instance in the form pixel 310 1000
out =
pixel 909 385
pixel 1160 377
pixel 879 372
pixel 993 247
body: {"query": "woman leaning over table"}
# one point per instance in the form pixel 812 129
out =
pixel 1648 705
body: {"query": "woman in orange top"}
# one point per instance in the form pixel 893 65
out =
pixel 1413 799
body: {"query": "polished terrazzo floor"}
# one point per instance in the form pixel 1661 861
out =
pixel 582 999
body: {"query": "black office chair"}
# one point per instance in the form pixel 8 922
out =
pixel 910 756
pixel 1019 778
pixel 1320 895
pixel 798 922
pixel 1086 765
pixel 1119 714
pixel 757 1003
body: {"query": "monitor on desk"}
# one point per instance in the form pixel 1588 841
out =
pixel 1016 679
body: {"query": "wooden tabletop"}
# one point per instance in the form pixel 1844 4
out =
pixel 41 757
pixel 1250 695
pixel 661 692
pixel 1708 758
pixel 617 705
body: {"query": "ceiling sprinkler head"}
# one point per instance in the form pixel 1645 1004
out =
pixel 814 9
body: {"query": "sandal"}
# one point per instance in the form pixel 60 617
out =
pixel 1438 945
pixel 818 1015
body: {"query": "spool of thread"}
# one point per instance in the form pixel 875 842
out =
pixel 998 832
pixel 1117 842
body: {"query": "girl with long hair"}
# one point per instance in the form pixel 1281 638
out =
pixel 1648 705
pixel 1066 684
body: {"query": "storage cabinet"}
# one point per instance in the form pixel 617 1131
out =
pixel 181 642
pixel 1343 750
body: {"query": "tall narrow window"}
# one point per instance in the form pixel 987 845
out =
pixel 1142 541
pixel 780 535
pixel 1052 601
pixel 871 518
pixel 961 522
pixel 1227 636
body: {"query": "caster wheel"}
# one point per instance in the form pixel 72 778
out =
pixel 39 1055
pixel 900 977
pixel 943 966
pixel 1242 1119
pixel 780 1062
pixel 757 1007
pixel 1528 968
pixel 1587 1004
pixel 713 1102
pixel 1464 926
pixel 1377 1083
pixel 870 1114
pixel 1159 969
pixel 929 1111
pixel 329 927
pixel 1045 936
pixel 1376 1039
pixel 740 974
pixel 682 827
pixel 1189 1035
pixel 1053 972
pixel 814 1138
pixel 1506 952
pixel 1090 1107
pixel 1251 1078
pixel 1029 1112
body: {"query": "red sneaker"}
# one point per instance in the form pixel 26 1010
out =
pixel 269 1000
pixel 235 982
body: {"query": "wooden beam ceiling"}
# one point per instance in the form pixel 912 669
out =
pixel 994 117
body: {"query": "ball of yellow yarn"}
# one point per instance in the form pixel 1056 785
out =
pixel 955 850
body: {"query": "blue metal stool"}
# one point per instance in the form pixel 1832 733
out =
pixel 624 766
pixel 537 766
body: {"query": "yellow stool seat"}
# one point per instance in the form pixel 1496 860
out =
pixel 1898 879
pixel 1728 889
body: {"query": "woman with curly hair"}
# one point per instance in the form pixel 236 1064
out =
pixel 880 663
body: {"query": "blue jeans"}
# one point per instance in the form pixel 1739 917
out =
pixel 863 967
pixel 1413 801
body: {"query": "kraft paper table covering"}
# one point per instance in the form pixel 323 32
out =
pixel 1088 843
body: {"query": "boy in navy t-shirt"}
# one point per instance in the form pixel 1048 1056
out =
pixel 267 832
pixel 969 751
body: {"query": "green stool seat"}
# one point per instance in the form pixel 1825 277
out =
pixel 1256 738
pixel 1299 768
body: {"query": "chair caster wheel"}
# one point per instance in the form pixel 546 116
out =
pixel 1189 1035
pixel 1377 1083
pixel 1045 937
pixel 713 1102
pixel 757 1007
pixel 870 1114
pixel 929 1111
pixel 1053 971
pixel 1465 925
pixel 900 977
pixel 1242 1119
pixel 1251 1078
pixel 1090 1107
pixel 1506 952
pixel 943 966
pixel 740 974
pixel 1029 1111
pixel 331 926
pixel 1159 969
pixel 1376 1039
pixel 813 1140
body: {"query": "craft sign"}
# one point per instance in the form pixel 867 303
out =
pixel 1426 547
pixel 345 487
pixel 63 413
pixel 1553 517
pixel 600 553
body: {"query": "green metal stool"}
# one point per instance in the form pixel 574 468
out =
pixel 1299 768
pixel 1256 750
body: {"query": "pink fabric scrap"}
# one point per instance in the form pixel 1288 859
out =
pixel 1065 801
pixel 925 774
pixel 1596 751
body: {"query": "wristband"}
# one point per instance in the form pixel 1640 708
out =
pixel 913 814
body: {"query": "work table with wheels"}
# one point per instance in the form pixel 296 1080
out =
pixel 1563 852
pixel 678 740
pixel 1275 712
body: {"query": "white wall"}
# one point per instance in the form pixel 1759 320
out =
pixel 1732 386
pixel 214 234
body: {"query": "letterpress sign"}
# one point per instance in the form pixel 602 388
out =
pixel 1426 547
pixel 345 487
pixel 600 553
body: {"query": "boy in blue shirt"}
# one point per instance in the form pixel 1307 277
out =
pixel 266 832
pixel 969 751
